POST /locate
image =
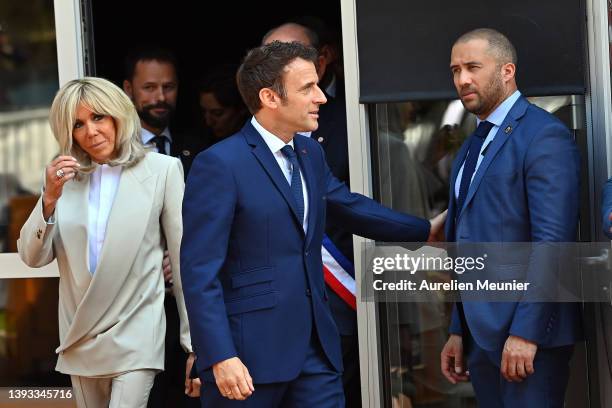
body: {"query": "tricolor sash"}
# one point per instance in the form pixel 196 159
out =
pixel 339 273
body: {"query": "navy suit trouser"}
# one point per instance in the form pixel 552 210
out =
pixel 544 388
pixel 319 385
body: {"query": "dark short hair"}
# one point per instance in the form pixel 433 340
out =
pixel 499 45
pixel 147 53
pixel 263 67
pixel 221 82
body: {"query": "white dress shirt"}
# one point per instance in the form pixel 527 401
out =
pixel 496 118
pixel 275 144
pixel 147 138
pixel 103 184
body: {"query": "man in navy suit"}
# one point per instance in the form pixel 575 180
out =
pixel 254 216
pixel 333 137
pixel 516 179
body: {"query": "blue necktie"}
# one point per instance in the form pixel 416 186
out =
pixel 296 181
pixel 476 140
pixel 160 144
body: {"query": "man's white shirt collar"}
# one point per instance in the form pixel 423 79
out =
pixel 274 142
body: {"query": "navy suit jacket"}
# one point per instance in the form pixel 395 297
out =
pixel 185 146
pixel 606 208
pixel 253 281
pixel 526 189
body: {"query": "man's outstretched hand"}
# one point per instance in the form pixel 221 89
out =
pixel 436 233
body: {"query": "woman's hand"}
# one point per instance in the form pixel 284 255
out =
pixel 192 386
pixel 57 173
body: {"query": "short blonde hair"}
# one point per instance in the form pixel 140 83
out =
pixel 104 98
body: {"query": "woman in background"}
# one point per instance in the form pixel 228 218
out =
pixel 223 111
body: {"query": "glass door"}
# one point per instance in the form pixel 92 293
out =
pixel 32 36
pixel 413 146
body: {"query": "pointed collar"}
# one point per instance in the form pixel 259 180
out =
pixel 273 142
pixel 499 114
pixel 147 136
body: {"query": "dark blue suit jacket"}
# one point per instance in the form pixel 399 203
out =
pixel 526 189
pixel 252 279
pixel 606 208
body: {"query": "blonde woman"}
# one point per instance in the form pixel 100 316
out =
pixel 107 211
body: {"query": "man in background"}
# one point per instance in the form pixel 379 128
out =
pixel 151 82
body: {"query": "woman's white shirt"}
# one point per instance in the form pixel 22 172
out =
pixel 103 185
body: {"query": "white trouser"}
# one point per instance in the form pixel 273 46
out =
pixel 127 390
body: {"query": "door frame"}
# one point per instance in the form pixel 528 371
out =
pixel 70 65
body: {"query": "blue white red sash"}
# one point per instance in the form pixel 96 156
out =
pixel 338 273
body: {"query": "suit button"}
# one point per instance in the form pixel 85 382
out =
pixel 307 253
pixel 308 292
pixel 320 139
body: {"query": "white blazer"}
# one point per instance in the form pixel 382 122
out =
pixel 114 321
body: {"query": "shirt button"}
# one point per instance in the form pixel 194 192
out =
pixel 320 139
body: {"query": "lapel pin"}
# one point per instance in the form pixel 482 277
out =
pixel 508 129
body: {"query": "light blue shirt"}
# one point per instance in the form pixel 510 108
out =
pixel 147 139
pixel 275 144
pixel 496 118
